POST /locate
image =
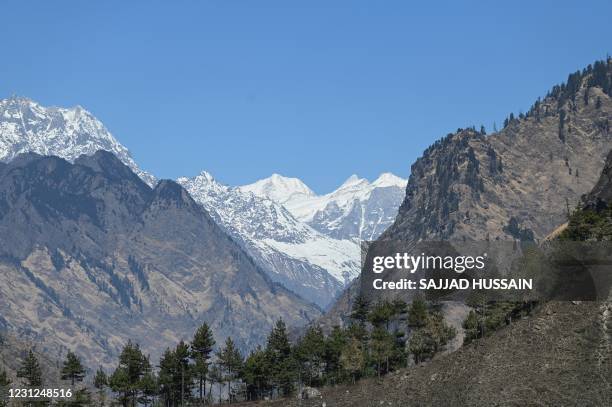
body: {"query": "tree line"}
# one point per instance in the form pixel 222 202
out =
pixel 377 339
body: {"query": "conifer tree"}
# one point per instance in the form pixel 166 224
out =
pixel 381 314
pixel 417 313
pixel 100 383
pixel 176 375
pixel 201 349
pixel 309 354
pixel 420 346
pixel 334 344
pixel 352 358
pixel 73 369
pixel 126 379
pixel 230 360
pixel 359 311
pixel 149 386
pixel 255 374
pixel 381 348
pixel 278 352
pixel 30 370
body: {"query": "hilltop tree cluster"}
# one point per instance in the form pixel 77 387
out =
pixel 578 86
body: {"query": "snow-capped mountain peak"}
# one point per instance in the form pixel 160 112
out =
pixel 279 188
pixel 356 210
pixel 352 182
pixel 292 252
pixel 27 126
pixel 388 179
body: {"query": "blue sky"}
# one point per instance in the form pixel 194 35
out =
pixel 313 89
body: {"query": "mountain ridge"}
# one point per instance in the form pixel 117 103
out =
pixel 357 209
pixel 27 126
pixel 92 260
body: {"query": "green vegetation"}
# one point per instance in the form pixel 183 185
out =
pixel 589 224
pixel 379 338
pixel 201 349
pixel 30 370
pixel 73 370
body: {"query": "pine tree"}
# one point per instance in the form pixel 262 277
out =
pixel 176 375
pixel 359 311
pixel 470 326
pixel 420 346
pixel 417 314
pixel 5 384
pixel 230 361
pixel 30 370
pixel 278 353
pixel 381 314
pixel 73 369
pixel 201 349
pixel 100 383
pixel 255 374
pixel 352 358
pixel 126 379
pixel 334 344
pixel 309 354
pixel 381 348
pixel 148 385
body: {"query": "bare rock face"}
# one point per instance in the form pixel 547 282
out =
pixel 601 195
pixel 91 256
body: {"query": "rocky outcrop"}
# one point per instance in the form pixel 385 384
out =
pixel 514 184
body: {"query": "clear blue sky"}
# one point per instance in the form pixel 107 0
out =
pixel 313 89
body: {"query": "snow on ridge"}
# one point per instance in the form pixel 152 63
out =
pixel 27 126
pixel 278 188
pixel 270 230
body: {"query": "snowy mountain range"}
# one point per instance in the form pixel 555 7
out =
pixel 304 260
pixel 357 210
pixel 26 126
pixel 305 241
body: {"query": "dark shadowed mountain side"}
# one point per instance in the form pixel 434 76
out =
pixel 92 256
pixel 516 184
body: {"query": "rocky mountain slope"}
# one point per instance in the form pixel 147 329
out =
pixel 357 210
pixel 554 358
pixel 26 126
pixel 518 183
pixel 91 256
pixel 302 259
